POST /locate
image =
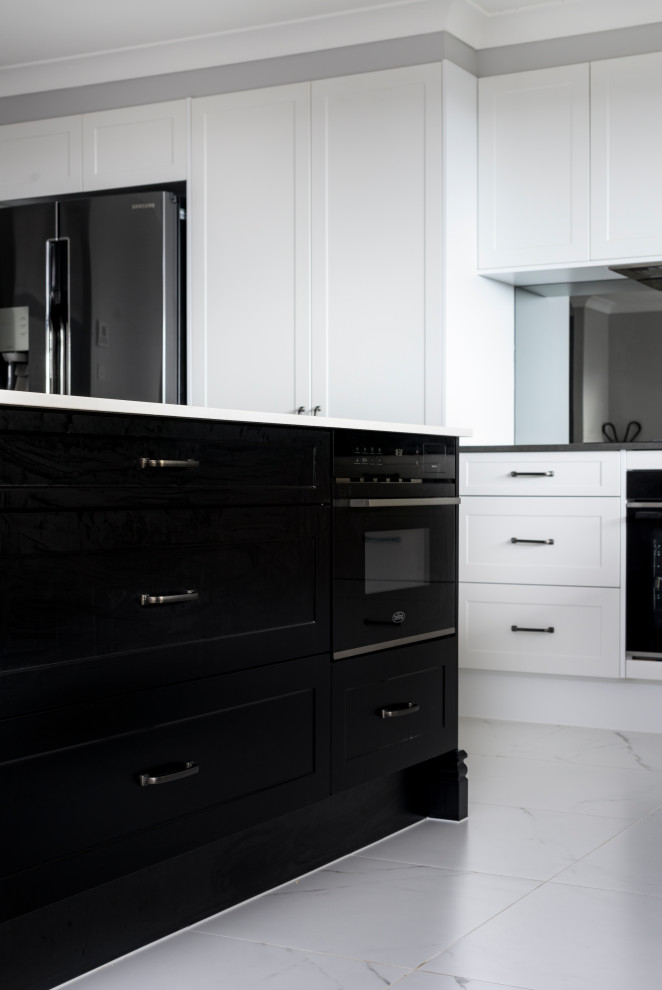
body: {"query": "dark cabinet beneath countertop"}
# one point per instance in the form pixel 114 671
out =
pixel 166 688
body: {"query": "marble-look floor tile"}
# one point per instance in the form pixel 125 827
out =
pixel 598 747
pixel 631 861
pixel 606 791
pixel 422 980
pixel 492 737
pixel 191 961
pixel 516 842
pixel 372 909
pixel 571 937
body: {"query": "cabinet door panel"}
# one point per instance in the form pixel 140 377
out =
pixel 237 585
pixel 135 145
pixel 256 741
pixel 626 157
pixel 250 212
pixel 533 167
pixel 376 200
pixel 41 158
pixel 367 740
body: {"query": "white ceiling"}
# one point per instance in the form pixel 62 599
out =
pixel 49 45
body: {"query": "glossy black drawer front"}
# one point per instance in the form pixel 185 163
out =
pixel 389 710
pixel 142 456
pixel 240 586
pixel 239 748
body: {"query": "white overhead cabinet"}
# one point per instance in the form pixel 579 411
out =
pixel 316 247
pixel 534 167
pixel 107 150
pixel 626 163
pixel 41 158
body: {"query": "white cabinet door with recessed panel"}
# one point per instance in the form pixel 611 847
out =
pixel 40 158
pixel 250 250
pixel 533 167
pixel 626 157
pixel 562 541
pixel 376 245
pixel 135 146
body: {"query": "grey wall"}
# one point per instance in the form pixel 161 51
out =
pixel 635 342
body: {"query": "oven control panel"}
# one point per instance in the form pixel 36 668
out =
pixel 372 456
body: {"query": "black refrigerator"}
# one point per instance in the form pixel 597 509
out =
pixel 91 296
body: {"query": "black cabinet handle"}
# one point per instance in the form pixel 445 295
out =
pixel 397 711
pixel 185 596
pixel 531 474
pixel 150 462
pixel 166 774
pixel 548 543
pixel 549 629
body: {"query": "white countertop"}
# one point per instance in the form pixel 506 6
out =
pixel 85 404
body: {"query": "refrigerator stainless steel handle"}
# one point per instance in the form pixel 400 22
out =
pixel 549 629
pixel 547 543
pixel 392 503
pixel 149 462
pixel 58 326
pixel 165 775
pixel 397 711
pixel 531 474
pixel 185 596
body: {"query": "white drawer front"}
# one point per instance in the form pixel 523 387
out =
pixel 572 541
pixel 585 624
pixel 572 473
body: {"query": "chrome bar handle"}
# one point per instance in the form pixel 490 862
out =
pixel 397 711
pixel 165 775
pixel 531 474
pixel 549 629
pixel 185 596
pixel 546 543
pixel 149 462
pixel 392 503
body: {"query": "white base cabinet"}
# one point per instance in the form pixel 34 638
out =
pixel 544 630
pixel 540 570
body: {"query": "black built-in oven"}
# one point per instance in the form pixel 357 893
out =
pixel 395 540
pixel 643 636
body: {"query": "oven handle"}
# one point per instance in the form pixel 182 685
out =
pixel 391 503
pixel 643 505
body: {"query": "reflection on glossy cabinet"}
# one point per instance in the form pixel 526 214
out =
pixel 534 167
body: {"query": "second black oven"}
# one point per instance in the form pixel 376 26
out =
pixel 394 540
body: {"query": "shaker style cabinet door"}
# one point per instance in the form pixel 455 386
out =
pixel 41 158
pixel 626 157
pixel 135 145
pixel 533 165
pixel 376 229
pixel 250 216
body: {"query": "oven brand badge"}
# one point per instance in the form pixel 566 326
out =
pixel 398 617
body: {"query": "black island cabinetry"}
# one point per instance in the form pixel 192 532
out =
pixel 176 734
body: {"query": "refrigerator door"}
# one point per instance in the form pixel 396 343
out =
pixel 25 232
pixel 122 295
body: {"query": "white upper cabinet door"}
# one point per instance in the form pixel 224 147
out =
pixel 135 146
pixel 377 237
pixel 533 167
pixel 626 158
pixel 40 158
pixel 250 247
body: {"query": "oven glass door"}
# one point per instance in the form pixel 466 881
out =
pixel 394 572
pixel 644 579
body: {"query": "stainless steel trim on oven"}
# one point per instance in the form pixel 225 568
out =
pixel 387 644
pixel 391 503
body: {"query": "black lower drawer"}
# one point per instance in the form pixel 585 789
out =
pixel 242 747
pixel 389 710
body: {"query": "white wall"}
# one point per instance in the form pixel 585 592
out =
pixel 478 312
